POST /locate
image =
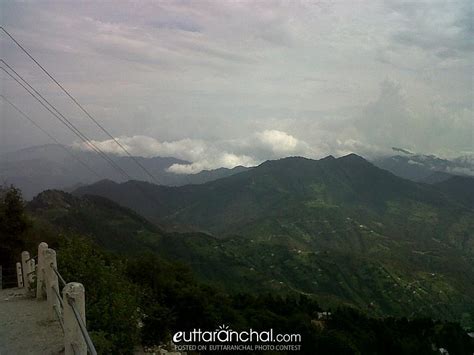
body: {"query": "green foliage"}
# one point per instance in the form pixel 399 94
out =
pixel 341 230
pixel 112 226
pixel 360 261
pixel 13 225
pixel 362 335
pixel 172 299
pixel 112 301
pixel 144 299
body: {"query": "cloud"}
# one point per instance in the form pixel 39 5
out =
pixel 221 160
pixel 202 77
pixel 205 155
pixel 279 142
pixel 428 127
pixel 439 27
pixel 388 120
pixel 186 149
pixel 202 155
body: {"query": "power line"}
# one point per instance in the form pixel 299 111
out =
pixel 62 118
pixel 76 157
pixel 66 122
pixel 73 128
pixel 80 106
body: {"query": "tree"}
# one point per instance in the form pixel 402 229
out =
pixel 13 225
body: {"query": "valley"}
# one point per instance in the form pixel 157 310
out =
pixel 339 230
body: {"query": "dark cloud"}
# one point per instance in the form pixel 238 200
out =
pixel 334 76
pixel 446 28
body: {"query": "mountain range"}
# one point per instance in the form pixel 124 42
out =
pixel 341 230
pixel 292 187
pixel 39 168
pixel 425 168
pixel 51 166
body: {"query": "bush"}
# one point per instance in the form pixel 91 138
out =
pixel 111 299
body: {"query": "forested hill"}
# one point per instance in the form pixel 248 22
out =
pixel 459 187
pixel 339 229
pixel 107 223
pixel 294 195
pixel 377 275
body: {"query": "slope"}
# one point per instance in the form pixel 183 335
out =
pixel 340 229
pixel 36 169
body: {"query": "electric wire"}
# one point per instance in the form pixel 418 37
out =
pixel 80 106
pixel 77 132
pixel 74 156
pixel 56 113
pixel 66 122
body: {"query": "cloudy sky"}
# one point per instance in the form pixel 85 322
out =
pixel 223 83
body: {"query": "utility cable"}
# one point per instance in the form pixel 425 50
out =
pixel 80 106
pixel 73 155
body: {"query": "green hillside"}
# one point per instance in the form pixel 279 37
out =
pixel 396 281
pixel 167 298
pixel 339 229
pixel 302 194
pixel 111 226
pixel 460 187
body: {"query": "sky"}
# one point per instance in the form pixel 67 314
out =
pixel 226 83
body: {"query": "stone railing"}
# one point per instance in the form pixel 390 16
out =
pixel 65 301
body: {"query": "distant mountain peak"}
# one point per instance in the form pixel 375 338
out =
pixel 105 182
pixel 353 158
pixel 48 198
pixel 401 150
pixel 50 166
pixel 328 158
pixel 283 161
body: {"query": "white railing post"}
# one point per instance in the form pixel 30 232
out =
pixel 51 282
pixel 40 272
pixel 74 342
pixel 19 275
pixel 31 273
pixel 25 265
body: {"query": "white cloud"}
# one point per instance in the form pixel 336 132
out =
pixel 279 142
pixel 299 73
pixel 186 149
pixel 224 160
pixel 205 155
pixel 393 119
pixel 413 162
pixel 201 155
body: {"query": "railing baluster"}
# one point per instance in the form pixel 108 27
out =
pixel 51 281
pixel 25 268
pixel 72 319
pixel 40 276
pixel 19 275
pixel 75 320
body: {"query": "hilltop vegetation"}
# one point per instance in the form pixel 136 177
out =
pixel 460 187
pixel 13 225
pixel 169 299
pixel 113 227
pixel 340 230
pixel 144 299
